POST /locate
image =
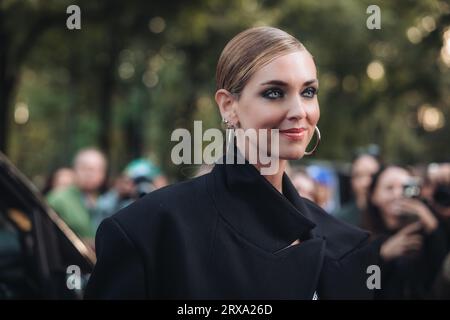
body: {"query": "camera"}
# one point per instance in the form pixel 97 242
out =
pixel 143 185
pixel 441 195
pixel 412 188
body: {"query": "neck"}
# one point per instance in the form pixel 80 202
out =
pixel 361 202
pixel 275 178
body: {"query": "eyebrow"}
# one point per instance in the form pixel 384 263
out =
pixel 285 84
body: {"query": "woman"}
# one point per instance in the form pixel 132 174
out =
pixel 234 233
pixel 413 243
pixel 364 166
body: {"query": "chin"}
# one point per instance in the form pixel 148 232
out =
pixel 393 225
pixel 292 154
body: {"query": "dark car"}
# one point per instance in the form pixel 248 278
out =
pixel 40 256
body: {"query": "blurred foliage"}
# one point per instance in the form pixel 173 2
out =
pixel 139 69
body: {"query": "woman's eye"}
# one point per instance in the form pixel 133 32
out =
pixel 273 94
pixel 309 92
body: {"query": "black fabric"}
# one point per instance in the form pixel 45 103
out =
pixel 225 235
pixel 412 276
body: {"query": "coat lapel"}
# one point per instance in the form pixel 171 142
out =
pixel 270 221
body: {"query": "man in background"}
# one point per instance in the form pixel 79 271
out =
pixel 76 204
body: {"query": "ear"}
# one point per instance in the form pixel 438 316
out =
pixel 227 104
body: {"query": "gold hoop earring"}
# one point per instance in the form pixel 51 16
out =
pixel 308 153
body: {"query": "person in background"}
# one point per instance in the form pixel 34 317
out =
pixel 325 181
pixel 139 178
pixel 437 193
pixel 146 176
pixel 76 204
pixel 413 244
pixel 123 193
pixel 59 179
pixel 363 167
pixel 304 184
pixel 145 168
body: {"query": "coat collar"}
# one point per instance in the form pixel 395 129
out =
pixel 256 210
pixel 271 220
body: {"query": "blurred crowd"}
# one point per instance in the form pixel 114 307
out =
pixel 405 209
pixel 82 198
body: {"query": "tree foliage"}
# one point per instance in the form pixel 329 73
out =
pixel 139 69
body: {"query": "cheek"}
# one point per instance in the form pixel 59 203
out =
pixel 261 116
pixel 378 199
pixel 384 203
pixel 313 113
pixel 356 182
pixel 389 220
pixel 363 183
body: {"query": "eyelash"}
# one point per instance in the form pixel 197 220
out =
pixel 266 94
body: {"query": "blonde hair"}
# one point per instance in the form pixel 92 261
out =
pixel 249 51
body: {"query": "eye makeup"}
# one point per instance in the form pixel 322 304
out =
pixel 275 93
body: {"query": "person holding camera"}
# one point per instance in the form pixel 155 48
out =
pixel 437 193
pixel 139 178
pixel 414 243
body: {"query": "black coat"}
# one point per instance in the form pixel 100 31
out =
pixel 412 276
pixel 222 236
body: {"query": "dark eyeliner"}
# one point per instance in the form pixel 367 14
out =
pixel 266 93
pixel 315 91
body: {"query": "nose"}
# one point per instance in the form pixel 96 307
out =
pixel 297 109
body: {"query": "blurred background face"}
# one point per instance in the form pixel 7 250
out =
pixel 362 170
pixel 64 177
pixel 90 170
pixel 305 186
pixel 125 186
pixel 282 95
pixel 388 190
pixel 437 189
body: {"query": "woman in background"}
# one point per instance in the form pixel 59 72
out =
pixel 413 244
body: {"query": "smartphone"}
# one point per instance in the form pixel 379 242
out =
pixel 407 218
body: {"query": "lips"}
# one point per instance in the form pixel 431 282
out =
pixel 294 133
pixel 293 130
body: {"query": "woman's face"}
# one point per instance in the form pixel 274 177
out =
pixel 362 170
pixel 388 191
pixel 282 95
